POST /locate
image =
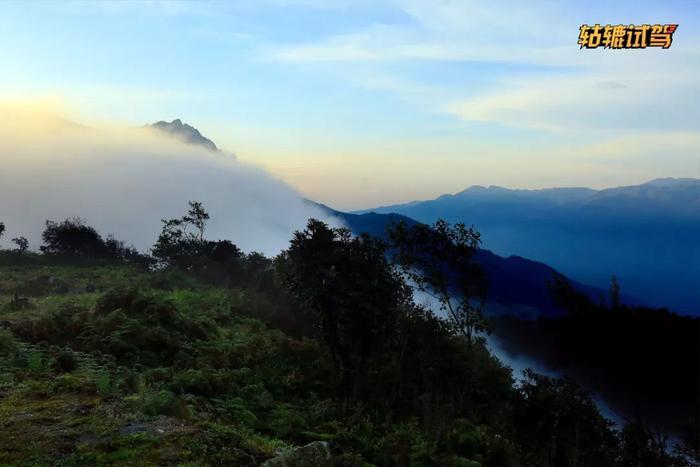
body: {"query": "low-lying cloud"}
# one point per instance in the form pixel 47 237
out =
pixel 123 181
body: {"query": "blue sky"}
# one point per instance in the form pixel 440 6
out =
pixel 358 103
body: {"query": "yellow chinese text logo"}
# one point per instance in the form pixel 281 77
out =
pixel 626 36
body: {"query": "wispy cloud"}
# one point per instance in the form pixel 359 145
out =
pixel 565 88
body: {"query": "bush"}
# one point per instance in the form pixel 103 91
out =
pixel 286 422
pixel 70 383
pixel 8 344
pixel 65 361
pixel 74 240
pixel 161 402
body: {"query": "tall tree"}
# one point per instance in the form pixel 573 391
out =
pixel 176 245
pixel 198 217
pixel 349 287
pixel 439 260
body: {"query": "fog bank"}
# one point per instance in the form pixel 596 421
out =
pixel 123 181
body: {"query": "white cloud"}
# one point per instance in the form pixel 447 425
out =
pixel 123 181
pixel 569 90
pixel 620 93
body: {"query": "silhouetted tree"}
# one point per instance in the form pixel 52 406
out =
pixel 22 244
pixel 178 247
pixel 2 229
pixel 642 446
pixel 349 287
pixel 439 260
pixel 647 358
pixel 561 425
pixel 198 217
pixel 72 238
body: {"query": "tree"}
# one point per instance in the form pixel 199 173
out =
pixel 179 247
pixel 614 293
pixel 22 244
pixel 643 446
pixel 2 229
pixel 439 260
pixel 198 217
pixel 349 288
pixel 560 423
pixel 73 238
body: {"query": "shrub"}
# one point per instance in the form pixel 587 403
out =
pixel 103 383
pixel 237 409
pixel 8 344
pixel 70 383
pixel 65 361
pixel 161 402
pixel 36 363
pixel 285 421
pixel 73 239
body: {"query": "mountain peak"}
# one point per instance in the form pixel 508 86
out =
pixel 185 133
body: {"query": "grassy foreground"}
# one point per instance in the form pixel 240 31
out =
pixel 115 365
pixel 122 365
pixel 163 374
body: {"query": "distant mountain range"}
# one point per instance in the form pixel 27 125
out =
pixel 516 285
pixel 185 133
pixel 647 235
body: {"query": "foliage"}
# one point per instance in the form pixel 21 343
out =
pixel 179 248
pixel 438 259
pixel 112 364
pixel 22 244
pixel 72 239
pixel 350 289
pixel 564 425
pixel 645 354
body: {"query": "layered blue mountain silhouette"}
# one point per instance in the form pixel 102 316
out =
pixel 647 235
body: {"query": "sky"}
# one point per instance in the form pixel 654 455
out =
pixel 360 103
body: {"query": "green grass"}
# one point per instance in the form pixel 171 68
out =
pixel 229 393
pixel 116 366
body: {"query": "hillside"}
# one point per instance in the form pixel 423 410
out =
pixel 203 355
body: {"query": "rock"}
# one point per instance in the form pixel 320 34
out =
pixel 316 454
pixel 159 426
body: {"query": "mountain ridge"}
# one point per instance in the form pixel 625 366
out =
pixel 644 234
pixel 575 192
